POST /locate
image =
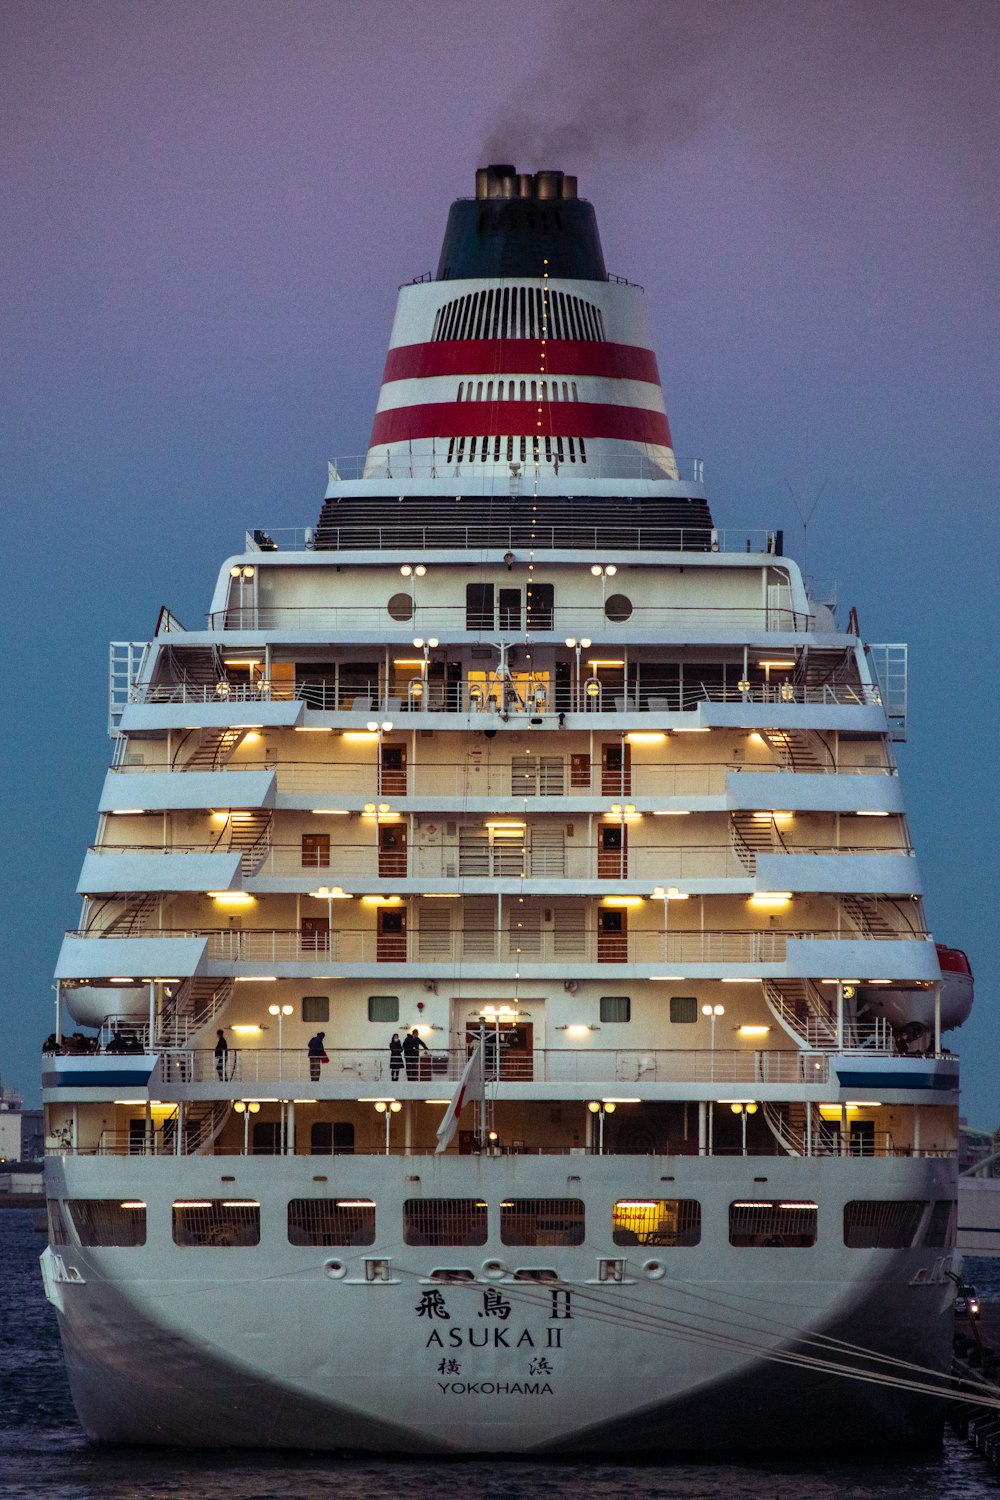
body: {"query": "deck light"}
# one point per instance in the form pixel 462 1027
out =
pixel 232 900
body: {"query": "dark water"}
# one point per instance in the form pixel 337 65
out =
pixel 43 1453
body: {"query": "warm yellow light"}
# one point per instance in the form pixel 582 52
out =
pixel 382 900
pixel 331 812
pixel 407 661
pixel 133 1203
pixel 256 979
pixel 861 813
pixel 692 729
pixel 672 812
pixel 495 824
pixel 247 1029
pixel 251 737
pixel 770 898
pixel 220 817
pixel 766 817
pixel 128 812
pixel 753 1030
pixel 313 729
pixel 779 664
pixel 864 1104
pixel 121 979
pixel 232 900
pixel 611 661
pixel 437 1101
pixel 442 895
pixel 578 1030
pixel 242 661
pixel 622 900
pixel 332 893
pixel 361 736
pixel 646 737
pixel 191 1203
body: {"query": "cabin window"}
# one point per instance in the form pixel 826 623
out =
pixel 656 1221
pixel 218 1224
pixel 479 606
pixel 321 1221
pixel 315 1007
pixel 108 1221
pixel 683 1009
pixel 874 1224
pixel 444 1221
pixel 615 1008
pixel 400 606
pixel 775 1226
pixel 384 1008
pixel 542 1221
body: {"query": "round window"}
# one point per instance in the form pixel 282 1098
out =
pixel 401 607
pixel 618 607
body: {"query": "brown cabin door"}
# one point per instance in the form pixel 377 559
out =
pixel 392 771
pixel 315 935
pixel 391 943
pixel 392 849
pixel 616 769
pixel 612 852
pixel 612 935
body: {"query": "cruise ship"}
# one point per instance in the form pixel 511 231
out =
pixel 503 1017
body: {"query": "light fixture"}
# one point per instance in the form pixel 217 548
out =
pixel 770 898
pixel 249 1028
pixel 232 900
pixel 256 979
pixel 646 737
pixel 672 812
pixel 330 812
pixel 752 1030
pixel 862 813
pixel 415 570
pixel 617 901
pixel 312 729
pixel 607 661
pixel 360 736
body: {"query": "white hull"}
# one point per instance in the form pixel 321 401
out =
pixel 262 1347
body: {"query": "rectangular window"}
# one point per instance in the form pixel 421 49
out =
pixel 940 1233
pixel 776 1226
pixel 683 1009
pixel 58 1233
pixel 510 609
pixel 315 851
pixel 479 606
pixel 318 1221
pixel 383 1008
pixel 221 1223
pixel 102 1221
pixel 874 1224
pixel 616 1008
pixel 541 602
pixel 656 1221
pixel 542 1221
pixel 444 1221
pixel 579 772
pixel 315 1007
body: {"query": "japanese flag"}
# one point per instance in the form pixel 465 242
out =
pixel 470 1087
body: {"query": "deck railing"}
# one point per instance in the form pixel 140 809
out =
pixel 479 945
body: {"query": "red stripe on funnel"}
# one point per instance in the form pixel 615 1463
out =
pixel 520 357
pixel 586 419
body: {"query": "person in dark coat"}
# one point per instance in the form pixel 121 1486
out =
pixel 316 1048
pixel 413 1045
pixel 395 1056
pixel 221 1053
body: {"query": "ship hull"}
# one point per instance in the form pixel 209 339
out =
pixel 275 1351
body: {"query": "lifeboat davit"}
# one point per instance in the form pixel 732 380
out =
pixel 910 1013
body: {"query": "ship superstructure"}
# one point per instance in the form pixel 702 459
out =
pixel 520 759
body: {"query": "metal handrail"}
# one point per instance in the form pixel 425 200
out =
pixel 454 621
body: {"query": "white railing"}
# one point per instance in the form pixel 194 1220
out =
pixel 450 622
pixel 579 861
pixel 245 1067
pixel 498 779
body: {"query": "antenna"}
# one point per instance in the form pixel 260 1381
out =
pixel 803 517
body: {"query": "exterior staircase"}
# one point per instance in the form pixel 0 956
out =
pixel 800 750
pixel 870 916
pixel 211 752
pixel 204 1120
pixel 250 833
pixel 787 1123
pixel 133 918
pixel 752 836
pixel 804 1012
pixel 192 1007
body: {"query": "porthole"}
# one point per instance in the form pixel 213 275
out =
pixel 618 607
pixel 401 607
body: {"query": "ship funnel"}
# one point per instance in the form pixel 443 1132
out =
pixel 502 180
pixel 521 356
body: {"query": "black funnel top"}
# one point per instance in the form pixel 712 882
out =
pixel 517 223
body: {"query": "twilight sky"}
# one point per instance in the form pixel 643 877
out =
pixel 208 205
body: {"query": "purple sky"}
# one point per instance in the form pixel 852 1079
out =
pixel 208 205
